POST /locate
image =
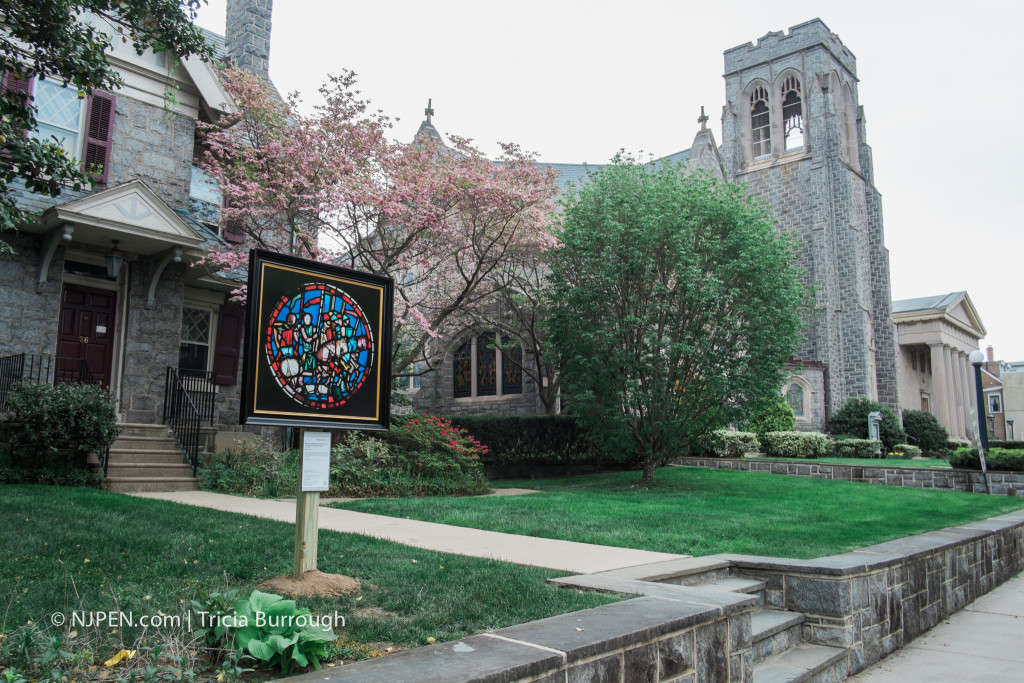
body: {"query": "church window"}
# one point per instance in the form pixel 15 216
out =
pixel 792 114
pixel 795 399
pixel 481 368
pixel 194 351
pixel 760 125
pixel 995 403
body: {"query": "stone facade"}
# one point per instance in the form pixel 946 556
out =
pixel 822 190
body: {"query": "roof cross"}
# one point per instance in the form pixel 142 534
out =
pixel 429 111
pixel 703 120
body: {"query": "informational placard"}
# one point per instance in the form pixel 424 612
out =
pixel 318 345
pixel 316 461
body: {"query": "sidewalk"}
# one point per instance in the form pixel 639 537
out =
pixel 982 642
pixel 580 558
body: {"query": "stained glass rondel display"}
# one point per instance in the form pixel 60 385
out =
pixel 319 346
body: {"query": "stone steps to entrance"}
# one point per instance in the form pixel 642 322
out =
pixel 146 458
pixel 811 663
pixel 773 632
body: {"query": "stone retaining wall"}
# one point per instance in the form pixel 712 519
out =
pixel 672 633
pixel 917 477
pixel 874 600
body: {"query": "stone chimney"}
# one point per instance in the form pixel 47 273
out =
pixel 247 35
pixel 990 353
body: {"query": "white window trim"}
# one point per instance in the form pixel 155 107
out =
pixel 83 114
pixel 214 312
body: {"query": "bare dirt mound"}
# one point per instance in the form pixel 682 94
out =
pixel 313 583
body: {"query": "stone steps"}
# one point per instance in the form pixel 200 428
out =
pixel 773 632
pixel 146 458
pixel 810 663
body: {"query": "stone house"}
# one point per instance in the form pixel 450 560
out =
pixel 108 283
pixel 795 132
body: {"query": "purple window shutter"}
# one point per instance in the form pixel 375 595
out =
pixel 98 135
pixel 229 345
pixel 18 83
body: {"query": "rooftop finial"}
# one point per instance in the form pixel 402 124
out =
pixel 703 120
pixel 429 111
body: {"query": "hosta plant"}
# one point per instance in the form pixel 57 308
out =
pixel 275 631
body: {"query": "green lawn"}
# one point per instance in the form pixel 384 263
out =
pixel 83 549
pixel 700 511
pixel 866 462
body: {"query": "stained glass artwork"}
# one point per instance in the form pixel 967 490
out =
pixel 486 366
pixel 319 346
pixel 462 366
pixel 511 367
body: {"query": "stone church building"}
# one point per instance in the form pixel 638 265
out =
pixel 793 129
pixel 108 284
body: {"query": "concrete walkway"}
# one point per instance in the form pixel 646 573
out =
pixel 581 558
pixel 982 642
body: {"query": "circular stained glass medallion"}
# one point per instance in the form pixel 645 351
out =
pixel 319 346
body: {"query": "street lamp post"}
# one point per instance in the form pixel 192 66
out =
pixel 977 358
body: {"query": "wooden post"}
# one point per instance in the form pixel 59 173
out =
pixel 307 522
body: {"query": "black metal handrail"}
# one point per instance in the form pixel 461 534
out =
pixel 31 367
pixel 201 387
pixel 182 416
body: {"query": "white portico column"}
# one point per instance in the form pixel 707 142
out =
pixel 951 393
pixel 968 385
pixel 941 382
pixel 959 390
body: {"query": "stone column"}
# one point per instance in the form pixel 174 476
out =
pixel 951 393
pixel 959 390
pixel 966 379
pixel 940 383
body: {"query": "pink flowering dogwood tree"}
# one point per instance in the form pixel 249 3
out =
pixel 331 186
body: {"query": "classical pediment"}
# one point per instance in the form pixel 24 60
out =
pixel 131 213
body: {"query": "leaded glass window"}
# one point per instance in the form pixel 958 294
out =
pixel 194 352
pixel 795 399
pixel 59 114
pixel 760 123
pixel 511 367
pixel 486 366
pixel 462 367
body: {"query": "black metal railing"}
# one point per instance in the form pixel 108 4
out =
pixel 182 412
pixel 31 367
pixel 201 386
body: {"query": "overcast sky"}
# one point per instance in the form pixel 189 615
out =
pixel 940 83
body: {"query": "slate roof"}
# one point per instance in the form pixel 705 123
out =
pixel 216 41
pixel 938 302
pixel 578 174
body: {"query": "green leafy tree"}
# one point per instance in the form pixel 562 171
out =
pixel 674 304
pixel 852 420
pixel 52 39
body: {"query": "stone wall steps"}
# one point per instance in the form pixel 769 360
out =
pixel 738 585
pixel 804 663
pixel 146 457
pixel 157 470
pixel 169 456
pixel 774 632
pixel 139 429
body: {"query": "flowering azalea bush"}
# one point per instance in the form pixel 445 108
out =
pixel 424 456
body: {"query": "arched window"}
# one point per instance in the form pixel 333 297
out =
pixel 792 114
pixel 760 123
pixel 795 399
pixel 481 368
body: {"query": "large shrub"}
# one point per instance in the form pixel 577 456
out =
pixel 252 468
pixel 852 419
pixel 1007 445
pixel 857 448
pixel 925 432
pixel 796 445
pixel 905 451
pixel 774 415
pixel 76 417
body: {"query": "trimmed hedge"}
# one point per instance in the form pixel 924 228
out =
pixel 999 459
pixel 1006 445
pixel 857 448
pixel 905 450
pixel 538 445
pixel 796 445
pixel 774 415
pixel 730 444
pixel 924 431
pixel 957 444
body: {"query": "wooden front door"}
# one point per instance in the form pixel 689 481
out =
pixel 86 331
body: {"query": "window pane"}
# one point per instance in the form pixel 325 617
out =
pixel 59 115
pixel 795 399
pixel 195 326
pixel 192 357
pixel 511 368
pixel 760 130
pixel 792 121
pixel 462 368
pixel 486 366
